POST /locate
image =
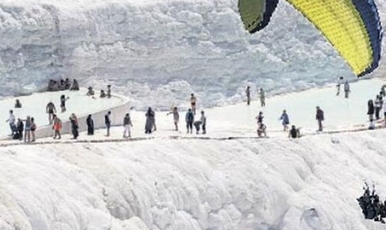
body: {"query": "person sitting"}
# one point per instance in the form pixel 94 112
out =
pixel 67 84
pixel 62 85
pixel 55 86
pixel 261 130
pixel 17 104
pixel 103 95
pixel 197 125
pixel 75 85
pixel 90 92
pixel 294 132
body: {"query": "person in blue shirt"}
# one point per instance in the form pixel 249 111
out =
pixel 189 118
pixel 285 120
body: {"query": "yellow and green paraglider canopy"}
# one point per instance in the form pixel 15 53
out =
pixel 353 27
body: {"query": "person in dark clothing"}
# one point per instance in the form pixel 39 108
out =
pixel 189 118
pixel 17 104
pixel 377 106
pixel 108 91
pixel 370 109
pixel 20 128
pixel 150 121
pixel 294 132
pixel 320 118
pixel 75 85
pixel 63 100
pixel 62 85
pixel 260 118
pixel 67 84
pixel 346 88
pixel 108 122
pixel 90 125
pixel 74 126
pixel 103 94
pixel 33 128
pixel 285 120
pixel 261 130
pixel 51 110
pixel 248 94
pixel 90 91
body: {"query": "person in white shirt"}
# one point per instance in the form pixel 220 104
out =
pixel 11 121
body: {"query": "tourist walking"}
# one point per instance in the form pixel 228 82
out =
pixel 189 118
pixel 11 121
pixel 248 94
pixel 320 118
pixel 74 126
pixel 108 123
pixel 90 125
pixel 51 110
pixel 57 126
pixel 176 117
pixel 150 121
pixel 126 125
pixel 285 120
pixel 370 110
pixel 33 128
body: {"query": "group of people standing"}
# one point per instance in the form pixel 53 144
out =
pixel 27 125
pixel 374 107
pixel 150 125
pixel 346 87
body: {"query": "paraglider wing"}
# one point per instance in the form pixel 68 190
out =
pixel 352 26
pixel 256 14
